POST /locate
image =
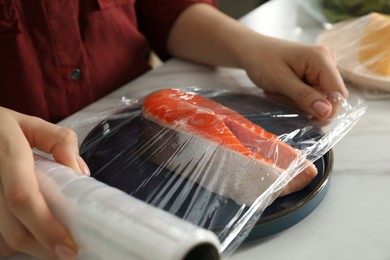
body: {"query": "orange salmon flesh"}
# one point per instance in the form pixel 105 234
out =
pixel 202 117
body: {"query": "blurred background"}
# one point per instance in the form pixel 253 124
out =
pixel 334 10
pixel 238 8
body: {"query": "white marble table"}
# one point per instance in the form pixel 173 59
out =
pixel 352 220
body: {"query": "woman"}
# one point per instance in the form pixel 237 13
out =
pixel 57 56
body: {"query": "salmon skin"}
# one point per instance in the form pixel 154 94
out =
pixel 215 146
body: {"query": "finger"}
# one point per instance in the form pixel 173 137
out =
pixel 309 99
pixel 21 192
pixel 5 250
pixel 53 139
pixel 19 239
pixel 322 72
pixel 15 237
pixel 24 200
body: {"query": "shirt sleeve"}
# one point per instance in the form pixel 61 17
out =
pixel 155 19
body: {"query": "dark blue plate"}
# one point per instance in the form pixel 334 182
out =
pixel 289 210
pixel 110 150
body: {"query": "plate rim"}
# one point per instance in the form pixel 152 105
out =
pixel 312 195
pixel 283 220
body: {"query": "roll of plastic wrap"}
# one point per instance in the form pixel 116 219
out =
pixel 107 223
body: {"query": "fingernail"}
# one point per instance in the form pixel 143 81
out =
pixel 321 108
pixel 64 252
pixel 83 166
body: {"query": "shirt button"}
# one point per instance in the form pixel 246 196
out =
pixel 75 74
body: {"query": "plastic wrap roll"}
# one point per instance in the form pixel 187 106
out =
pixel 109 224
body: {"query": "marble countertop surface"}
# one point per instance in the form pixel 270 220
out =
pixel 352 222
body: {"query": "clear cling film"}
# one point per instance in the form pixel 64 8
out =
pixel 216 159
pixel 361 46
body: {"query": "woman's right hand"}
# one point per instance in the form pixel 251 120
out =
pixel 26 222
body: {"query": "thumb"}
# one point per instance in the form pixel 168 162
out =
pixel 314 102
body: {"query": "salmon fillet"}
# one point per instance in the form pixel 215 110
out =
pixel 215 146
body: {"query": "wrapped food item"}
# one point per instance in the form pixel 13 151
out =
pixel 374 47
pixel 214 158
pixel 362 49
pixel 170 118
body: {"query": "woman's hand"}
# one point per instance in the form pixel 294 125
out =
pixel 303 73
pixel 26 223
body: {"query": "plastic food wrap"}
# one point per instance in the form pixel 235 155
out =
pixel 109 224
pixel 214 159
pixel 362 49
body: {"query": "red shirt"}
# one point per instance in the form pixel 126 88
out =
pixel 57 56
